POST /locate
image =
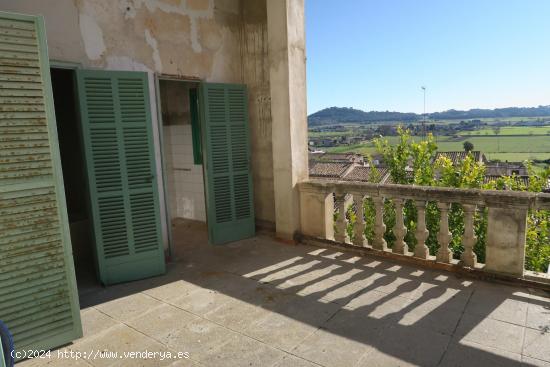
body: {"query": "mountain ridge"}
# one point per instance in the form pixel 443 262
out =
pixel 332 115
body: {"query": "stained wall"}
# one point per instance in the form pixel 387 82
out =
pixel 221 41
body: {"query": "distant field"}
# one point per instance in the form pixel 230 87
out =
pixel 518 157
pixel 511 148
pixel 493 120
pixel 332 134
pixel 511 130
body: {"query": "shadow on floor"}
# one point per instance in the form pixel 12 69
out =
pixel 333 308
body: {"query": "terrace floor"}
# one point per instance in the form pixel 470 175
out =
pixel 262 303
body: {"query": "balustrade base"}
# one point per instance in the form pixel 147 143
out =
pixel 454 267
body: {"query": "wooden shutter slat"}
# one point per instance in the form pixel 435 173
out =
pixel 35 261
pixel 224 114
pixel 120 161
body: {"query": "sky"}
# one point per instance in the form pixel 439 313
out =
pixel 376 54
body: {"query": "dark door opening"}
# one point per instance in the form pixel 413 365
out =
pixel 182 159
pixel 73 165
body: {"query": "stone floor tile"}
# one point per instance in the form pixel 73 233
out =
pixel 162 322
pixel 54 360
pixel 199 338
pixel 467 353
pixel 329 349
pixel 302 280
pixel 490 333
pixel 129 307
pixel 120 339
pixel 94 321
pixel 406 346
pixel 172 290
pixel 528 361
pixel 537 344
pixel 356 325
pixel 272 268
pixel 242 351
pixel 438 312
pixel 343 293
pixel 202 301
pixel 497 304
pixel 538 314
pixel 185 363
pixel 279 331
pixel 290 360
pixel 279 276
pixel 236 315
pixel 378 305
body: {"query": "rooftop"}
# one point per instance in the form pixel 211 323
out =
pixel 329 169
pixel 258 302
pixel 458 156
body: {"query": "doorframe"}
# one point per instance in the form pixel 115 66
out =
pixel 60 64
pixel 51 123
pixel 174 78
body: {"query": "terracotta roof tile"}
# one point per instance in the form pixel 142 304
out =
pixel 456 157
pixel 361 173
pixel 328 169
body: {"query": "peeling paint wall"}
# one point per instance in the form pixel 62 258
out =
pixel 255 72
pixel 221 41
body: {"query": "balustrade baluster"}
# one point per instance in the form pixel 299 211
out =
pixel 379 242
pixel 469 238
pixel 360 225
pixel 399 230
pixel 444 254
pixel 421 250
pixel 341 234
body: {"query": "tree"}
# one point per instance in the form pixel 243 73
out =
pixel 468 147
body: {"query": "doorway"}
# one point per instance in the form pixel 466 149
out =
pixel 182 159
pixel 74 176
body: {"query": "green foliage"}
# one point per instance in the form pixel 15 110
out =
pixel 468 146
pixel 537 249
pixel 396 156
pixel 410 162
pixel 422 156
pixel 467 174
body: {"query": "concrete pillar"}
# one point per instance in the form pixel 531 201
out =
pixel 317 214
pixel 506 237
pixel 287 74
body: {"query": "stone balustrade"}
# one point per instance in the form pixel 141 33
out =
pixel 506 213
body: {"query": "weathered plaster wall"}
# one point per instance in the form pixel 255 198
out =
pixel 191 37
pixel 215 40
pixel 255 72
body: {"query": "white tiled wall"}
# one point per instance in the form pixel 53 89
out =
pixel 184 179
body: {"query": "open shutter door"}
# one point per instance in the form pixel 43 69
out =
pixel 118 145
pixel 226 149
pixel 38 296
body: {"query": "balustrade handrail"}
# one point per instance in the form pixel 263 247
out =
pixel 481 197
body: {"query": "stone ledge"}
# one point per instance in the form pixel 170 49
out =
pixel 491 198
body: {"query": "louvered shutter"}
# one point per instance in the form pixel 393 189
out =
pixel 116 127
pixel 226 146
pixel 38 296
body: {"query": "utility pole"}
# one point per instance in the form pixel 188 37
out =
pixel 424 117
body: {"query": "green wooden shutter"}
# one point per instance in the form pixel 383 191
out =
pixel 38 296
pixel 226 146
pixel 118 145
